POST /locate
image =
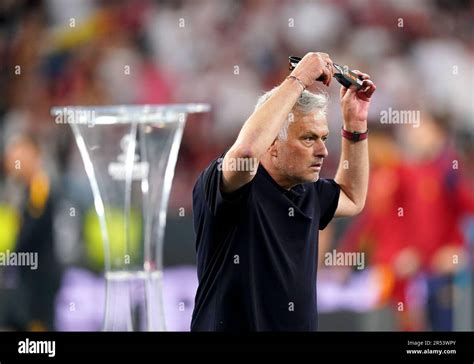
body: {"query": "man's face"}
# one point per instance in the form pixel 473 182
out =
pixel 299 158
pixel 20 159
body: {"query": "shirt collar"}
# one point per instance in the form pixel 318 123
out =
pixel 295 191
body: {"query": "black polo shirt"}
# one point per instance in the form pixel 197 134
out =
pixel 257 252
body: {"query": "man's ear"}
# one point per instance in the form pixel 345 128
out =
pixel 273 150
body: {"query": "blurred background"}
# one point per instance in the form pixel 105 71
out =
pixel 416 231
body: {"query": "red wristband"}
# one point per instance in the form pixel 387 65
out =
pixel 354 136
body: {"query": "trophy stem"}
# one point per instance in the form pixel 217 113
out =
pixel 167 183
pixel 129 167
pixel 98 203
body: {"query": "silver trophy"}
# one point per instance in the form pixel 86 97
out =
pixel 129 155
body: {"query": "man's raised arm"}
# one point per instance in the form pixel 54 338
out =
pixel 353 172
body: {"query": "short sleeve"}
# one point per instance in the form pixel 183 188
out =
pixel 328 193
pixel 211 180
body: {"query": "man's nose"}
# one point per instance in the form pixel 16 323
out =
pixel 320 149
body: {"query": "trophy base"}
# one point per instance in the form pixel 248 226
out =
pixel 133 301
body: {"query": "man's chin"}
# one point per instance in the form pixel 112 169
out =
pixel 313 177
pixel 307 178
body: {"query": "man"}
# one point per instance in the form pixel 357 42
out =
pixel 257 227
pixel 31 304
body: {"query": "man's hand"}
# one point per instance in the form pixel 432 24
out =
pixel 314 66
pixel 355 104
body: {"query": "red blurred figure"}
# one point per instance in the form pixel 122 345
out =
pixel 410 226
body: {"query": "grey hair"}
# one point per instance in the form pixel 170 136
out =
pixel 308 102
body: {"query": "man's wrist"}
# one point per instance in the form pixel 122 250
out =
pixel 297 81
pixel 354 136
pixel 359 127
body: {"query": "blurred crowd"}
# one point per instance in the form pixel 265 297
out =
pixel 417 230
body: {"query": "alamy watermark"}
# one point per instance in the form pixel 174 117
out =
pixel 391 116
pixel 28 346
pixel 75 116
pixel 238 164
pixel 20 259
pixel 345 259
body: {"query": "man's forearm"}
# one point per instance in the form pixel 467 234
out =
pixel 263 126
pixel 353 172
